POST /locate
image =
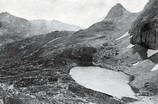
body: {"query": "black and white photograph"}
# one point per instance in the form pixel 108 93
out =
pixel 78 51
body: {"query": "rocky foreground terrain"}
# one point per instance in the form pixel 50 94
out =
pixel 36 70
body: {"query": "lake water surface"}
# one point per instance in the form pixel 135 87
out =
pixel 103 80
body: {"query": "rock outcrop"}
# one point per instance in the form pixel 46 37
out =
pixel 145 29
pixel 144 35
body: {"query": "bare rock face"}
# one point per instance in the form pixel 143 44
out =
pixel 145 29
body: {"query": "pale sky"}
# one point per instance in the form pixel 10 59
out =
pixel 79 12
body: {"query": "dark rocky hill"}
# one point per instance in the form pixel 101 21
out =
pixel 144 37
pixel 12 28
pixel 144 29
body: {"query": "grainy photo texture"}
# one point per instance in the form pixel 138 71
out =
pixel 78 51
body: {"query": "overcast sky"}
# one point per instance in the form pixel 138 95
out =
pixel 78 12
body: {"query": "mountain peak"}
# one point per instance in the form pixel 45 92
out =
pixel 116 11
pixel 5 13
pixel 119 5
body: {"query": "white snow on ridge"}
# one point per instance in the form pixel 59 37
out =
pixel 136 63
pixel 103 80
pixel 155 68
pixel 51 41
pixel 125 35
pixel 130 46
pixel 151 52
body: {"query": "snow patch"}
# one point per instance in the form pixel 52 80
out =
pixel 136 63
pixel 130 46
pixel 130 36
pixel 151 52
pixel 155 68
pixel 123 36
pixel 51 41
pixel 103 80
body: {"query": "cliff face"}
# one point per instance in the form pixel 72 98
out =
pixel 145 29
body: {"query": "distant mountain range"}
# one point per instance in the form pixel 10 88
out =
pixel 14 28
pixel 45 26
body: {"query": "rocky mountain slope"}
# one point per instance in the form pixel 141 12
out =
pixel 14 28
pixel 107 29
pixel 144 29
pixel 36 70
pixel 144 35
